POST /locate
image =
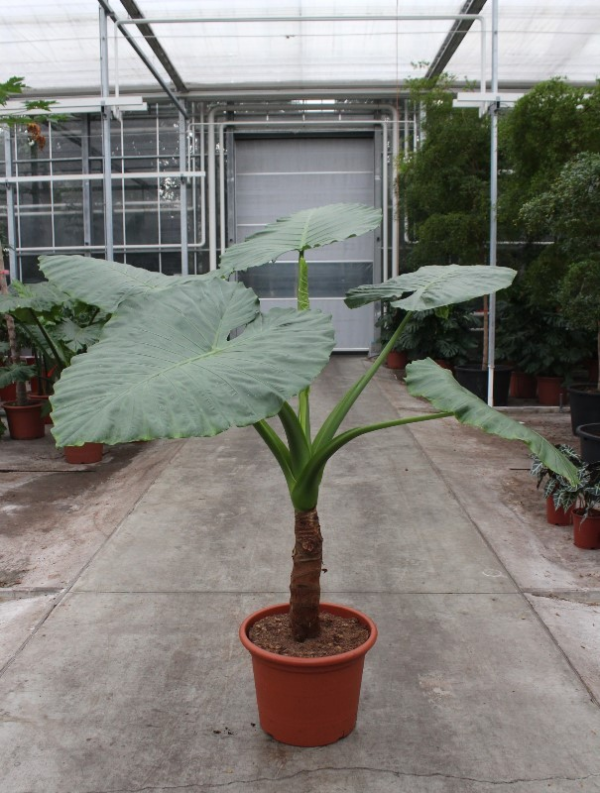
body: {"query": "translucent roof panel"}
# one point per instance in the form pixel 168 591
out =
pixel 294 43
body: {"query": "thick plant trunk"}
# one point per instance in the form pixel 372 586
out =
pixel 305 588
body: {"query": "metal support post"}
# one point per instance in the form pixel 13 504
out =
pixel 183 196
pixel 86 187
pixel 10 207
pixel 493 203
pixel 106 147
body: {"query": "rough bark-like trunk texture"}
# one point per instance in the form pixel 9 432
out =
pixel 306 572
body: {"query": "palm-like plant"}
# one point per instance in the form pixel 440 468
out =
pixel 194 356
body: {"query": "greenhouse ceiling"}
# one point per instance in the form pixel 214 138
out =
pixel 352 45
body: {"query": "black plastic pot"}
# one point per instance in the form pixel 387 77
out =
pixel 584 399
pixel 475 379
pixel 589 442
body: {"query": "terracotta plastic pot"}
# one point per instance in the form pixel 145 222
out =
pixel 396 360
pixel 560 516
pixel 25 422
pixel 308 701
pixel 550 391
pixel 82 455
pixel 444 364
pixel 586 531
pixel 522 385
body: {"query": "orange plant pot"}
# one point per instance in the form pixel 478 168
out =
pixel 558 517
pixel 586 533
pixel 82 455
pixel 25 422
pixel 308 701
pixel 396 360
pixel 550 391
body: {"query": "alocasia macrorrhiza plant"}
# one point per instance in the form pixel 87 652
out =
pixel 193 356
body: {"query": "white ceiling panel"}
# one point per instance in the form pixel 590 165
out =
pixel 55 45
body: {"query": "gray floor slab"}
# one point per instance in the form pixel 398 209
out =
pixel 156 693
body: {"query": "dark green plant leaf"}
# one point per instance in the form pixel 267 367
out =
pixel 16 373
pixel 75 336
pixel 426 379
pixel 40 298
pixel 105 284
pixel 310 228
pixel 437 285
pixel 166 366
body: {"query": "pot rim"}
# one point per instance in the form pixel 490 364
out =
pixel 582 430
pixel 589 389
pixel 30 404
pixel 308 663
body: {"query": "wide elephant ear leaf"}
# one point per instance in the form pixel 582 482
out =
pixel 169 366
pixel 434 286
pixel 105 284
pixel 310 228
pixel 426 379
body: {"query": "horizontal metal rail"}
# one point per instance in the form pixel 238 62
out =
pixel 86 177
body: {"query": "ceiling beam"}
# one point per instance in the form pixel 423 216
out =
pixel 452 41
pixel 146 30
pixel 105 6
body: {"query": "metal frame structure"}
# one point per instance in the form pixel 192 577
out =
pixel 462 22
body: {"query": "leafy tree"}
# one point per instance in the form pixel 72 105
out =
pixel 444 186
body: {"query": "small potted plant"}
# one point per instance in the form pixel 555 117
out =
pixel 205 350
pixel 573 501
pixel 388 322
pixel 58 328
pixel 560 494
pixel 448 335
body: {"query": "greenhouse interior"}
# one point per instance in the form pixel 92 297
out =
pixel 244 215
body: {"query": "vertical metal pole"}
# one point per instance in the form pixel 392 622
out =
pixel 493 202
pixel 86 187
pixel 10 207
pixel 212 188
pixel 183 195
pixel 106 147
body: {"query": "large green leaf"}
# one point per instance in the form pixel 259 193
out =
pixel 434 286
pixel 426 379
pixel 310 228
pixel 166 366
pixel 105 284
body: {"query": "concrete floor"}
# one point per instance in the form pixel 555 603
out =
pixel 128 674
